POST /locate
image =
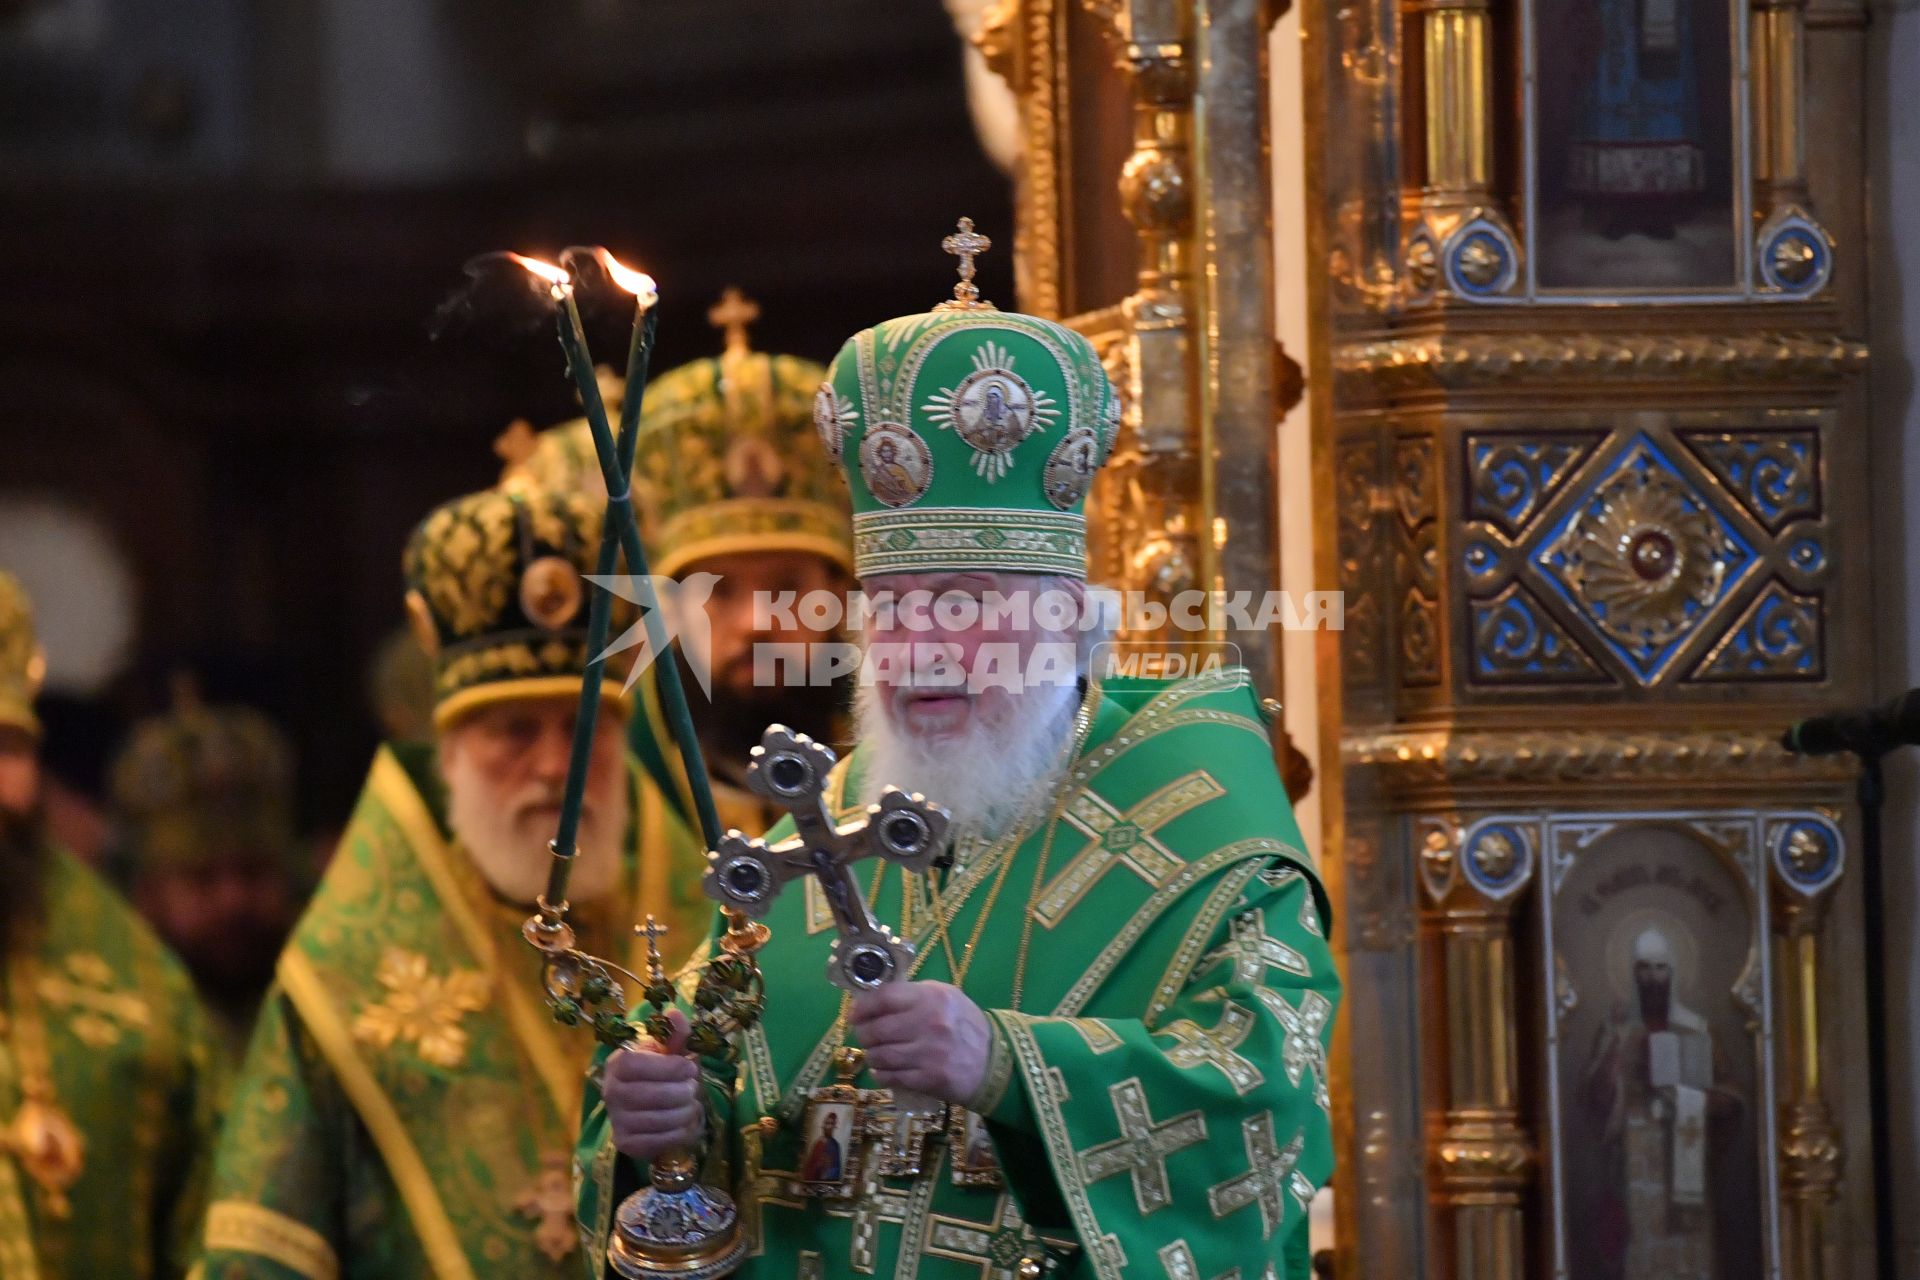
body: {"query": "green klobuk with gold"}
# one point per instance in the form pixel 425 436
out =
pixel 969 437
pixel 203 780
pixel 497 596
pixel 1157 1098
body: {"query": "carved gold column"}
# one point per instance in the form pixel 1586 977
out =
pixel 1806 868
pixel 1483 1158
pixel 1795 252
pixel 1462 238
pixel 1162 472
pixel 1188 500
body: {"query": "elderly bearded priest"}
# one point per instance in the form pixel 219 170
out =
pixel 408 1105
pixel 1124 973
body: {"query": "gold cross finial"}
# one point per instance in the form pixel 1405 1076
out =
pixel 654 929
pixel 731 315
pixel 517 443
pixel 966 244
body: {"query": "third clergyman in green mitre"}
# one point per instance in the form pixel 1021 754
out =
pixel 1122 992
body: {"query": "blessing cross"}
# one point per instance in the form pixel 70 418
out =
pixel 1142 1148
pixel 731 315
pixel 965 244
pixel 790 769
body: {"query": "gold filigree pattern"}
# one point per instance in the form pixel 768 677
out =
pixel 1438 758
pixel 1452 361
pixel 422 1008
pixel 1646 557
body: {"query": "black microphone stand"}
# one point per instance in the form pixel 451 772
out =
pixel 1873 795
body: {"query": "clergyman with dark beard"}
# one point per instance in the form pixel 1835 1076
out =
pixel 107 1095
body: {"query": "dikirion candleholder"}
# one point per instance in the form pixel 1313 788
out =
pixel 677 1227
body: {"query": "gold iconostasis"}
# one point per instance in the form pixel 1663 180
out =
pixel 1583 342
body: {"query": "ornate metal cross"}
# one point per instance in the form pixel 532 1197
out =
pixel 747 875
pixel 965 244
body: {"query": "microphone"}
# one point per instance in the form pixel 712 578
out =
pixel 1870 732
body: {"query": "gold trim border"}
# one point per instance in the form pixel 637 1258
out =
pixel 430 1221
pixel 240 1226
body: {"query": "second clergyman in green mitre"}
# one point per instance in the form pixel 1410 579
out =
pixel 1122 992
pixel 408 1106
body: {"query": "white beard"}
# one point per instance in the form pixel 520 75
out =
pixel 511 851
pixel 990 778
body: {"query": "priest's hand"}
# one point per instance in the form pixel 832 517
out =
pixel 924 1036
pixel 653 1097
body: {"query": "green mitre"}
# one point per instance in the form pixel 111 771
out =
pixel 723 463
pixel 969 437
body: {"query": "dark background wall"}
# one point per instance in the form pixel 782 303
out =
pixel 225 227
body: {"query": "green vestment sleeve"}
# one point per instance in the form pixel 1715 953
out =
pixel 1194 1147
pixel 276 1210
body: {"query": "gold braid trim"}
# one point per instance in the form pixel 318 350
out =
pixel 377 1111
pixel 999 1073
pixel 237 1226
pixel 537 1034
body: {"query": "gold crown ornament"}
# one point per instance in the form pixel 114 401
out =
pixel 23 664
pixel 497 596
pixel 725 460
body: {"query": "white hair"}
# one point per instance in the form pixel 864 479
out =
pixel 1652 947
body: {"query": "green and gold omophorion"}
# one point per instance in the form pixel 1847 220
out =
pixel 408 1106
pixel 1157 1095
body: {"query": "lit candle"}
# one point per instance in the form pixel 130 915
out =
pixel 622 533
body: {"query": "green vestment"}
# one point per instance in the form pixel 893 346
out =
pixel 406 1109
pixel 1158 1100
pixel 95 1001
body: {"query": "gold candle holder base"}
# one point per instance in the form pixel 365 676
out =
pixel 676 1227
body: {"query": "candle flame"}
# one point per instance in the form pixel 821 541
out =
pixel 553 275
pixel 637 283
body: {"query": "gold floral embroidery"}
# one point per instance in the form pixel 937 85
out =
pixel 422 1008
